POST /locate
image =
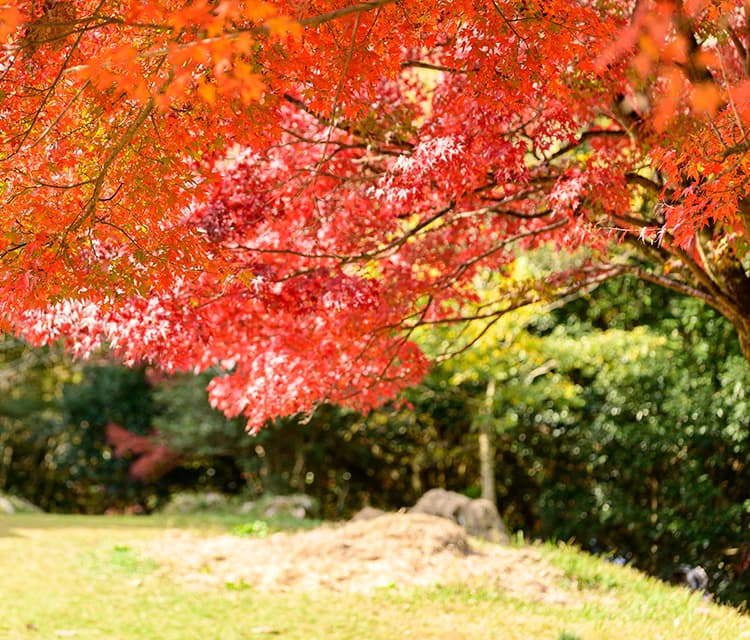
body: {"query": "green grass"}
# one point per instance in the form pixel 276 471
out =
pixel 254 528
pixel 83 577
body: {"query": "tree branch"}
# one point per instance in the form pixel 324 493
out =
pixel 592 133
pixel 642 181
pixel 360 7
pixel 674 285
pixel 346 127
pixel 449 278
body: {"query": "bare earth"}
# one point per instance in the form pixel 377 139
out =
pixel 395 550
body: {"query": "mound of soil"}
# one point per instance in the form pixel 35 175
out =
pixel 394 550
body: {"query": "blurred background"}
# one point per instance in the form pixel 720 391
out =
pixel 618 421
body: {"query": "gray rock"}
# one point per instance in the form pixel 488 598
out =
pixel 6 506
pixel 446 504
pixel 479 517
pixel 248 507
pixel 483 521
pixel 298 506
pixel 196 502
pixel 367 513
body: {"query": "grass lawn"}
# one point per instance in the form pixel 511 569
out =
pixel 83 577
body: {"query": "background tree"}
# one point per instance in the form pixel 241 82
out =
pixel 29 418
pixel 54 449
pixel 631 441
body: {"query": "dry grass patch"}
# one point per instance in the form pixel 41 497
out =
pixel 395 550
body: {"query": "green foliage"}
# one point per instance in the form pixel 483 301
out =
pixel 188 424
pixel 96 479
pixel 254 529
pixel 31 425
pixel 126 560
pixel 53 416
pixel 240 585
pixel 115 561
pixel 215 453
pixel 339 457
pixel 651 462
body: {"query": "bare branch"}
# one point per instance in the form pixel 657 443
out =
pixel 737 43
pixel 360 257
pixel 675 285
pixel 430 66
pixel 360 7
pixel 343 126
pixel 446 280
pixel 59 117
pixel 642 181
pixel 48 93
pixel 586 135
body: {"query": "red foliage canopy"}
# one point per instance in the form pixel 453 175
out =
pixel 287 189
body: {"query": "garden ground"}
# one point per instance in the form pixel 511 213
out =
pixel 231 578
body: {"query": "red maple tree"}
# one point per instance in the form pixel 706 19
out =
pixel 287 189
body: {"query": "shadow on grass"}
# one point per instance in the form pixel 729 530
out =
pixel 11 525
pixel 6 528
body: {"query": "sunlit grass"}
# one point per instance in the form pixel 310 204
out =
pixel 84 577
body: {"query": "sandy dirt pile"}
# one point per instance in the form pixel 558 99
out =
pixel 398 550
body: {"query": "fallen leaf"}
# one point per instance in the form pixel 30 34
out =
pixel 266 630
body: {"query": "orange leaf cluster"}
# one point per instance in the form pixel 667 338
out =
pixel 287 190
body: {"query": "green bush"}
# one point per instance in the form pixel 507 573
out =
pixel 651 464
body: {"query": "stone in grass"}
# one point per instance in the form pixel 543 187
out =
pixel 5 506
pixel 478 517
pixel 196 502
pixel 296 506
pixel 14 504
pixel 367 513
